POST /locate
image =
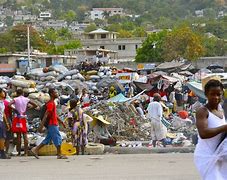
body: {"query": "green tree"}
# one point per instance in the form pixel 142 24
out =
pixel 214 47
pixel 152 48
pixel 90 28
pixel 64 34
pixel 114 27
pixel 128 26
pixel 70 16
pixel 9 21
pixel 183 43
pixel 124 34
pixel 19 34
pixel 75 44
pixel 7 43
pixel 140 32
pixel 165 23
pixel 50 35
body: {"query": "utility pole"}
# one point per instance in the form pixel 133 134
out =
pixel 28 43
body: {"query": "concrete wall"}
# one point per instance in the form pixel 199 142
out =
pixel 201 63
pixel 122 65
pixel 206 61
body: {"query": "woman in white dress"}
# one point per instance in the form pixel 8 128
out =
pixel 211 151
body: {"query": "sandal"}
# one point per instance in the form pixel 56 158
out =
pixel 62 157
pixel 34 154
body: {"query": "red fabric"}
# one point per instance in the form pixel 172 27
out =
pixel 183 114
pixel 8 110
pixel 52 117
pixel 132 122
pixel 86 105
pixel 162 93
pixel 19 125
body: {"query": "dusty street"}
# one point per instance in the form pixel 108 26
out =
pixel 108 167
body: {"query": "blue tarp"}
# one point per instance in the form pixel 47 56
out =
pixel 197 89
pixel 119 98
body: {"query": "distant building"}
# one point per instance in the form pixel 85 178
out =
pixel 100 34
pixel 57 24
pixel 78 27
pixel 45 15
pixel 99 13
pixel 92 55
pixel 16 61
pixel 221 14
pixel 2 25
pixel 27 17
pixel 199 13
pixel 102 39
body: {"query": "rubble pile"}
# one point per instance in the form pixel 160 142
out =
pixel 126 124
pixel 52 76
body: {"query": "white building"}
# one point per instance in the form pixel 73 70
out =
pixel 199 13
pixel 2 25
pixel 221 14
pixel 45 15
pixel 99 13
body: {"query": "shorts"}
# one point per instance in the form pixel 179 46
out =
pixel 2 130
pixel 53 134
pixel 9 135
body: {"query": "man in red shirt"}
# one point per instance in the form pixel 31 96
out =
pixel 53 132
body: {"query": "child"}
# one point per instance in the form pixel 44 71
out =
pixel 79 122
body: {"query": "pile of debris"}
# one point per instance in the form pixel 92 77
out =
pixel 126 124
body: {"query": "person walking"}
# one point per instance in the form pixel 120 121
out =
pixel 80 122
pixel 211 151
pixel 53 133
pixel 4 126
pixel 155 113
pixel 19 124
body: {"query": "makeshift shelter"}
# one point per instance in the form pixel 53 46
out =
pixel 197 89
pixel 170 66
pixel 156 83
pixel 185 73
pixel 120 98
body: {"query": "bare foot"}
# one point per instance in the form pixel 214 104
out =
pixel 34 153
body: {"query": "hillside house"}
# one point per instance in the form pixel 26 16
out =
pixel 99 13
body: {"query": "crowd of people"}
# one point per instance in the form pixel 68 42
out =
pixel 13 121
pixel 14 117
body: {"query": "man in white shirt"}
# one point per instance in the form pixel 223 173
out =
pixel 155 113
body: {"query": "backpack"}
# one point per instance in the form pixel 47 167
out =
pixel 42 113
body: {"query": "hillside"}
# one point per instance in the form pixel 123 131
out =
pixel 157 12
pixel 166 8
